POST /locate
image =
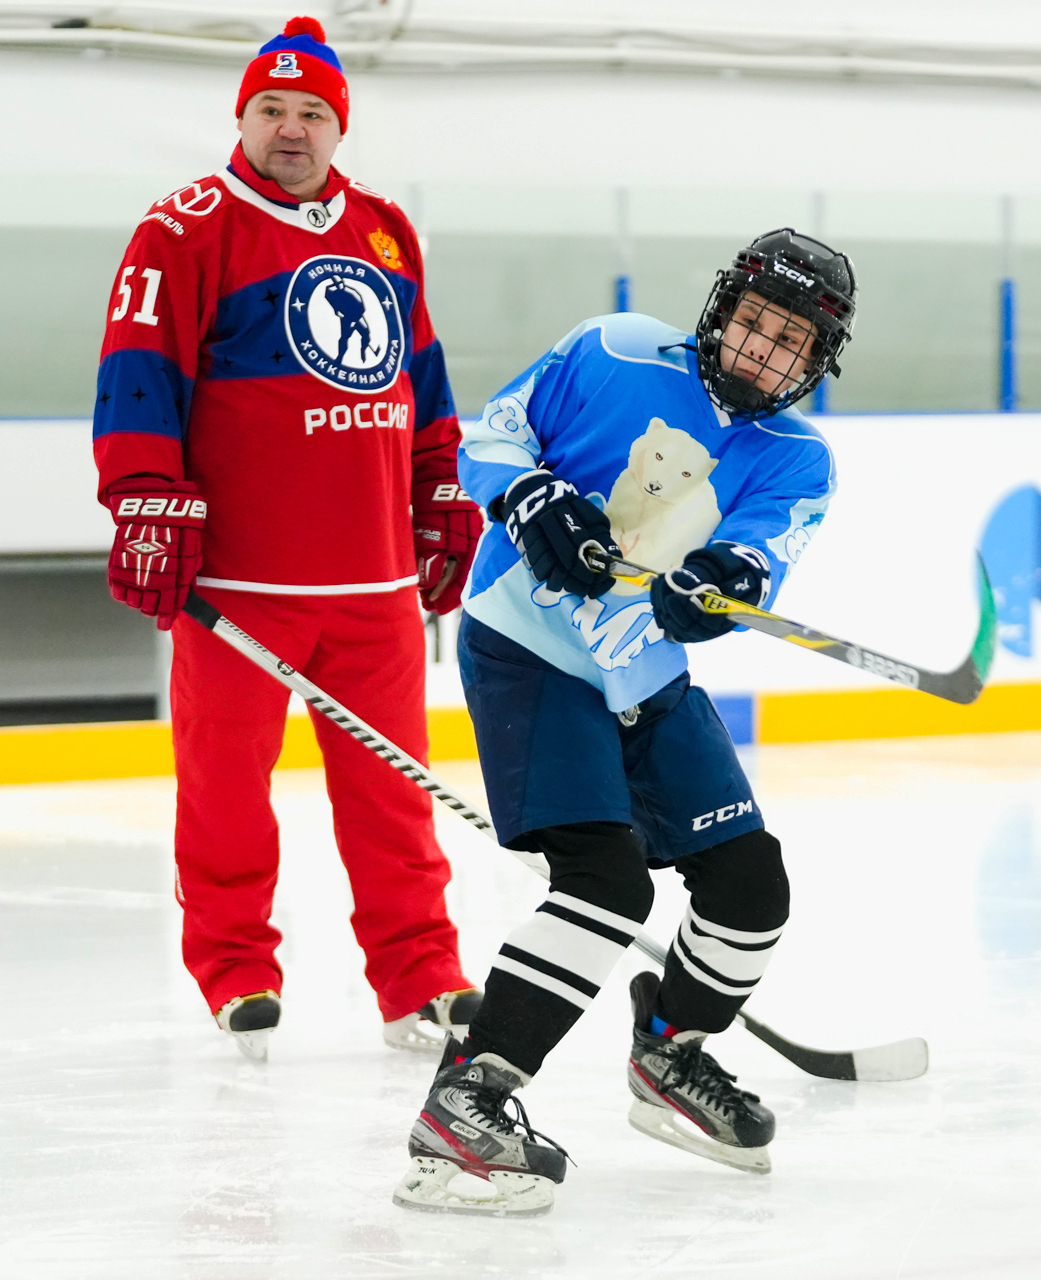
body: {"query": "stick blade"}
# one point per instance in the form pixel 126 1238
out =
pixel 965 684
pixel 986 642
pixel 902 1060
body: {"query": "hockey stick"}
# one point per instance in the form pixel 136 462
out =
pixel 962 685
pixel 887 1062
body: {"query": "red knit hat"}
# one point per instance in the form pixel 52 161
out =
pixel 298 59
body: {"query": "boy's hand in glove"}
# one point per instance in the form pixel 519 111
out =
pixel 550 523
pixel 728 569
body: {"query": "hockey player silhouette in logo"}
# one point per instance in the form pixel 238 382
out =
pixel 349 308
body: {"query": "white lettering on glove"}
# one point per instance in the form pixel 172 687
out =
pixel 179 507
pixel 530 506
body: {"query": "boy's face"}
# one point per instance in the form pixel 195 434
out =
pixel 766 345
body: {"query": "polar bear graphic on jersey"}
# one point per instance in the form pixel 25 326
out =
pixel 663 504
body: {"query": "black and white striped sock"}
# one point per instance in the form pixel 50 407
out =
pixel 711 970
pixel 568 947
pixel 545 976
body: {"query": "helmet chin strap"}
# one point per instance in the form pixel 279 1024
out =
pixel 737 395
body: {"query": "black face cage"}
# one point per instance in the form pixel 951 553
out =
pixel 827 310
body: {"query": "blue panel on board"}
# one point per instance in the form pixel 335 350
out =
pixel 1011 549
pixel 737 711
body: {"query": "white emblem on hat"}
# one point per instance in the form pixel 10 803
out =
pixel 286 66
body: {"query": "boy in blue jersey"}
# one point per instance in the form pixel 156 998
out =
pixel 682 453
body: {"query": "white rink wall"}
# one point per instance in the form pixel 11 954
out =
pixel 121 131
pixel 893 566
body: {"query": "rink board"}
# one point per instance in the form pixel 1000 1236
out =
pixel 894 568
pixel 143 749
pixel 60 753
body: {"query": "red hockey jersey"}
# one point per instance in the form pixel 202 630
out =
pixel 280 355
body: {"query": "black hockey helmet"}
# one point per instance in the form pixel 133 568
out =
pixel 794 273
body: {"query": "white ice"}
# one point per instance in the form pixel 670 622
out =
pixel 137 1144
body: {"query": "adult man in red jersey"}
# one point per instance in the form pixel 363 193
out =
pixel 272 400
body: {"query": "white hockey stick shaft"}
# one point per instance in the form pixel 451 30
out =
pixel 901 1061
pixel 371 738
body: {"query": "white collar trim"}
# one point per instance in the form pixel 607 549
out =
pixel 313 216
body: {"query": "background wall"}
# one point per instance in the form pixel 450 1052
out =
pixel 535 188
pixel 892 568
pixel 542 150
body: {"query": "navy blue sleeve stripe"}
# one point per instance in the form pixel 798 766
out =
pixel 430 386
pixel 142 391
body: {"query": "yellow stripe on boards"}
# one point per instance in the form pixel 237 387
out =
pixel 68 752
pixel 449 729
pixel 893 713
pixel 299 746
pixel 451 734
pixel 143 748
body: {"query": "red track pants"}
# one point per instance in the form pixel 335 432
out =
pixel 367 651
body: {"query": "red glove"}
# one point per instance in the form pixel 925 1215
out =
pixel 447 527
pixel 158 545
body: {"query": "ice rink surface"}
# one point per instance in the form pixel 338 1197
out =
pixel 136 1143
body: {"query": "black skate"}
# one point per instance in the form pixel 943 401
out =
pixel 451 1012
pixel 467 1153
pixel 249 1020
pixel 684 1097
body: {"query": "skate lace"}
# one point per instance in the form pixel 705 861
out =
pixel 491 1104
pixel 697 1070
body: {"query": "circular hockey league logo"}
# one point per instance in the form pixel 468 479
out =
pixel 344 323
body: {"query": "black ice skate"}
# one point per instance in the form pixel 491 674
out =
pixel 450 1013
pixel 467 1153
pixel 684 1097
pixel 249 1020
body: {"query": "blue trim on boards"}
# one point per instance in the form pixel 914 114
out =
pixel 737 711
pixel 622 290
pixel 1008 393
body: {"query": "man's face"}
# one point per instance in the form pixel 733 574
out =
pixel 290 137
pixel 766 345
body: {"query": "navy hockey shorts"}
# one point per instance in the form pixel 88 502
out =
pixel 552 754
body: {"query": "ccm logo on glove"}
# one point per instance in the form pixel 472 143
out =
pixel 193 508
pixel 552 525
pixel 534 500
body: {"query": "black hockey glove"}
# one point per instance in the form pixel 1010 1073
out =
pixel 728 569
pixel 550 523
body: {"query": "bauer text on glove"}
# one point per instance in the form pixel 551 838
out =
pixel 157 550
pixel 447 527
pixel 726 568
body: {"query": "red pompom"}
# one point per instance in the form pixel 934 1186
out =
pixel 305 27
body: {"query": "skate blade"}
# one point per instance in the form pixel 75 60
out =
pixel 252 1044
pixel 410 1033
pixel 668 1126
pixel 439 1186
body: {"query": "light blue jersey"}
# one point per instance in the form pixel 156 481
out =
pixel 617 408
